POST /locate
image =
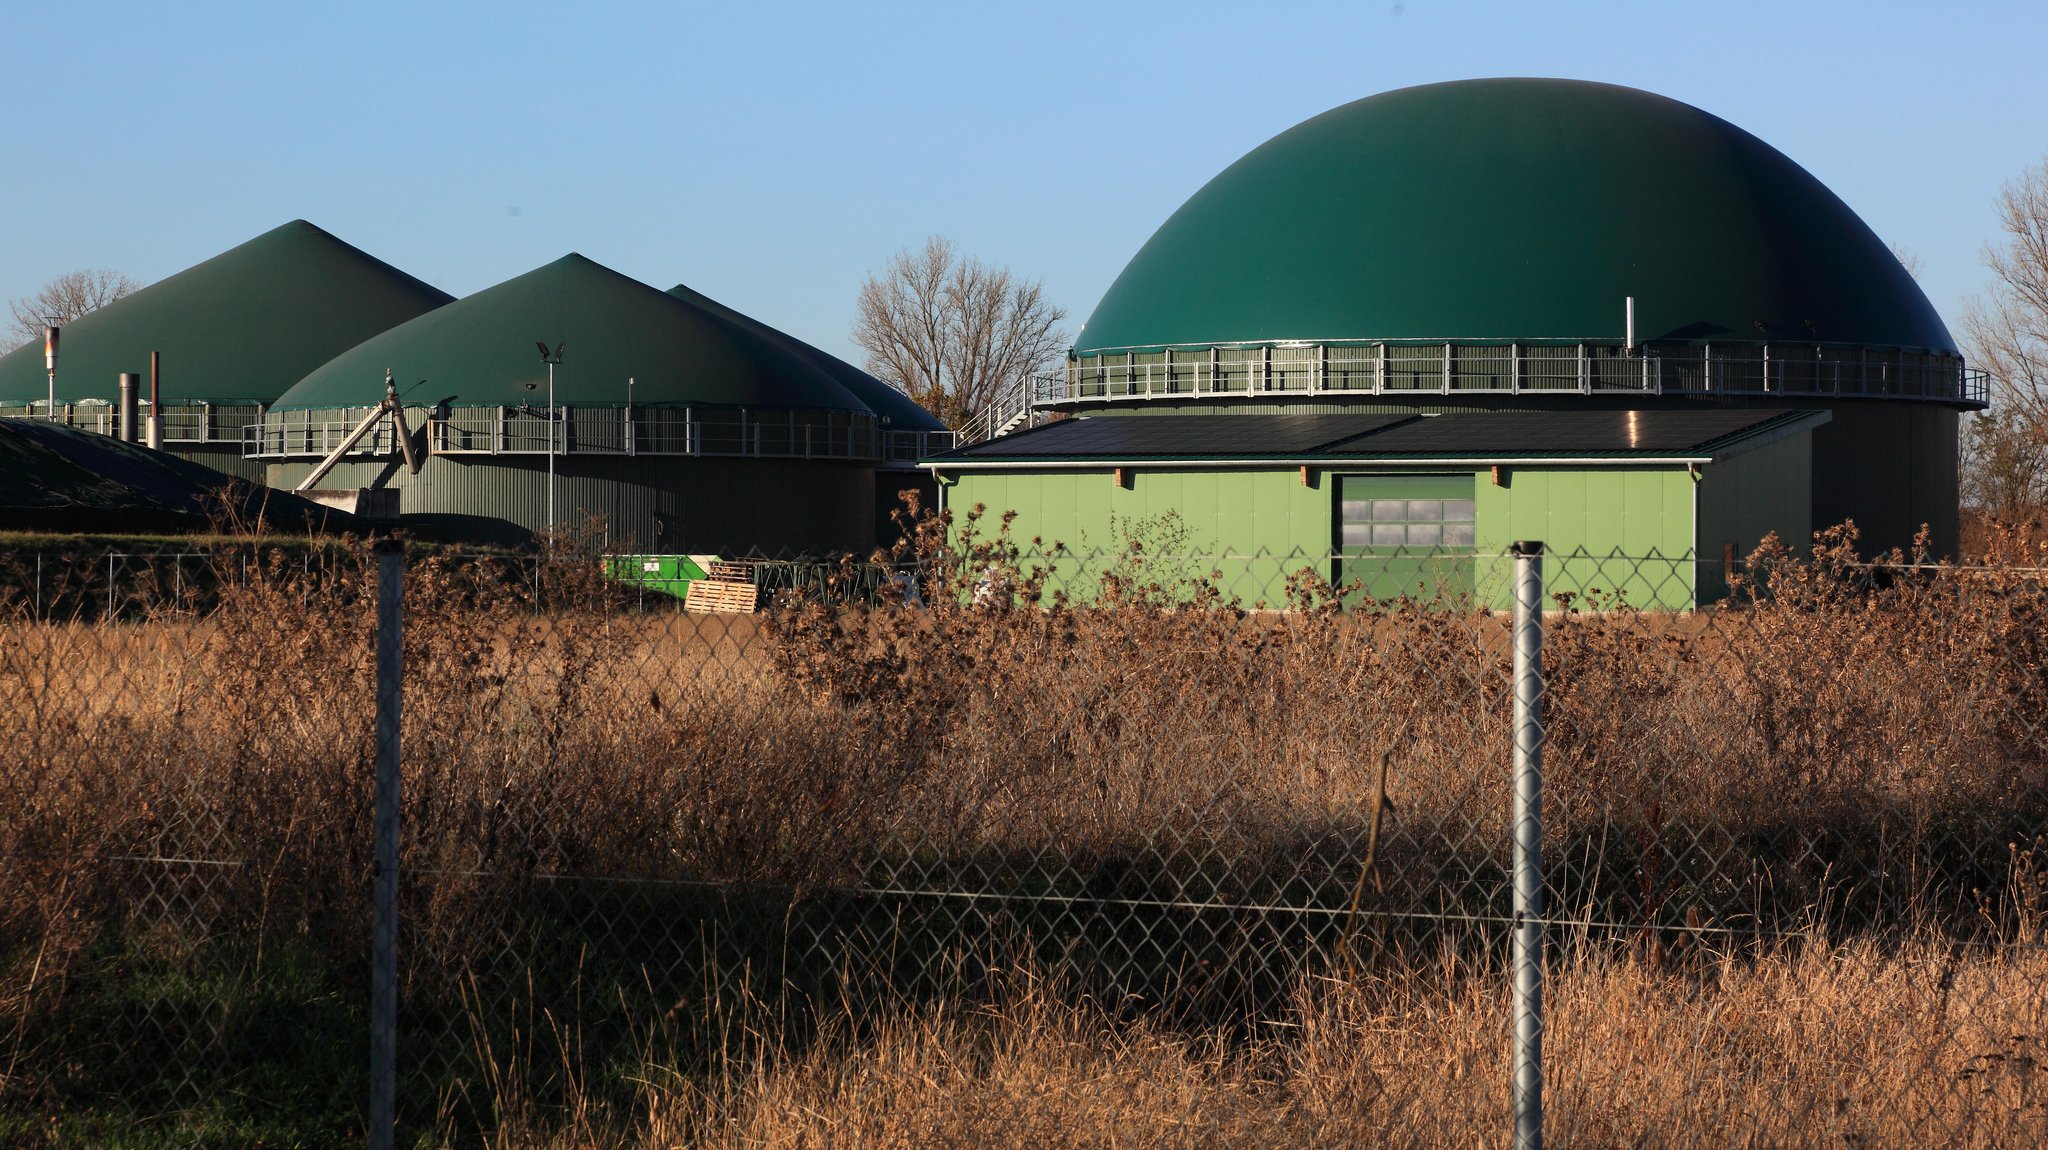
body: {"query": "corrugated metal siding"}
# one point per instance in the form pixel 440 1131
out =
pixel 1749 496
pixel 226 459
pixel 656 504
pixel 1634 527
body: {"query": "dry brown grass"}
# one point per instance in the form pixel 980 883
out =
pixel 1877 730
pixel 1802 1045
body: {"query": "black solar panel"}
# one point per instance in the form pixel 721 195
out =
pixel 1183 436
pixel 1510 433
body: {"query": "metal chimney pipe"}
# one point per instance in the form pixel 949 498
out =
pixel 50 362
pixel 130 384
pixel 156 407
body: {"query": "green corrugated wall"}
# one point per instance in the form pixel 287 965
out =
pixel 1262 524
pixel 1605 530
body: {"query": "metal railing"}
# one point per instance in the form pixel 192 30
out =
pixel 183 424
pixel 1514 369
pixel 1014 408
pixel 685 431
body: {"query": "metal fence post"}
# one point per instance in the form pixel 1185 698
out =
pixel 384 873
pixel 1528 859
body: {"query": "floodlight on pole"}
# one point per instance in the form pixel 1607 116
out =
pixel 554 429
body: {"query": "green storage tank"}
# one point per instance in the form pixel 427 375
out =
pixel 680 427
pixel 233 334
pixel 1540 246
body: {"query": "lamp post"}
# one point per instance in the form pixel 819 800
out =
pixel 554 429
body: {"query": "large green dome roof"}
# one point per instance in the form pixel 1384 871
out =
pixel 241 327
pixel 479 351
pixel 1513 209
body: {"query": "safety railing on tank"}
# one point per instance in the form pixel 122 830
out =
pixel 184 425
pixel 1515 369
pixel 601 431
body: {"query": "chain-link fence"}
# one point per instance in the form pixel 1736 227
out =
pixel 989 847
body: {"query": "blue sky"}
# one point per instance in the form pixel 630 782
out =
pixel 772 154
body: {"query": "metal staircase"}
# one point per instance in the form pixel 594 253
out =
pixel 1014 409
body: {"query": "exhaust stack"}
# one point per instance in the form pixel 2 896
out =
pixel 50 361
pixel 130 384
pixel 156 409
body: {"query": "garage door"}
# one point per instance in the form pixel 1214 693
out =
pixel 1409 535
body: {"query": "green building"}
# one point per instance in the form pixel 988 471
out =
pixel 230 335
pixel 687 428
pixel 1405 504
pixel 1530 276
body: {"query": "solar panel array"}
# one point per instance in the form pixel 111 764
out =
pixel 1492 433
pixel 1361 436
pixel 1185 436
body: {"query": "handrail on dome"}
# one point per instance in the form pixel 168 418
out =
pixel 1515 369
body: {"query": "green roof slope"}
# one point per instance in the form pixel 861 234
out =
pixel 479 351
pixel 1514 209
pixel 239 328
pixel 898 409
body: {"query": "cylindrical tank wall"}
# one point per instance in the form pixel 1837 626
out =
pixel 647 503
pixel 225 458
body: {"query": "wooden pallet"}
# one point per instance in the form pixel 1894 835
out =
pixel 723 596
pixel 730 571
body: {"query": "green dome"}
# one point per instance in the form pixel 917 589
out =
pixel 241 327
pixel 479 351
pixel 897 409
pixel 1513 209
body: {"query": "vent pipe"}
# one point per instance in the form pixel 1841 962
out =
pixel 50 362
pixel 130 384
pixel 156 405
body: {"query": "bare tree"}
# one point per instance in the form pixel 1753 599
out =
pixel 953 333
pixel 64 299
pixel 1906 258
pixel 2005 450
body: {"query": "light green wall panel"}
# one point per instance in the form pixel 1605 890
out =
pixel 1258 525
pixel 1606 530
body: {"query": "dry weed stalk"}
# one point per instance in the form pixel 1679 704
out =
pixel 1884 720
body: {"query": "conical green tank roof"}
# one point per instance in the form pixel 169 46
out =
pixel 480 351
pixel 241 327
pixel 1514 209
pixel 897 409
